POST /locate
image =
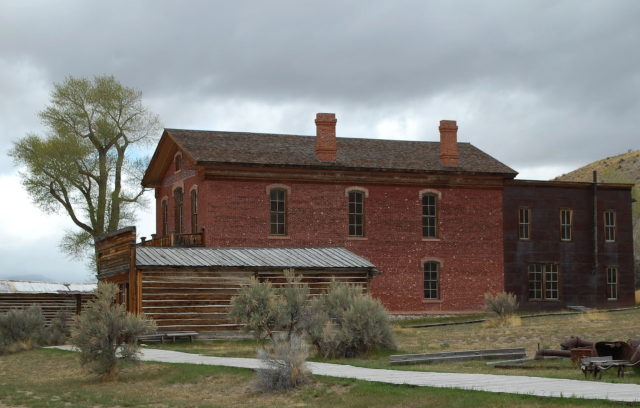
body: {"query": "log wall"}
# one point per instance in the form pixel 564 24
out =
pixel 116 252
pixel 198 300
pixel 50 303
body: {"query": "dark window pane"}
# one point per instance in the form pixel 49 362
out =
pixel 431 280
pixel 277 207
pixel 429 216
pixel 356 213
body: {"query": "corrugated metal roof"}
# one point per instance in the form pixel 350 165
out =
pixel 17 286
pixel 251 257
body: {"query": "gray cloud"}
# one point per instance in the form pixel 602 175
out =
pixel 540 83
pixel 578 59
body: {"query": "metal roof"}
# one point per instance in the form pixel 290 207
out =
pixel 304 258
pixel 18 286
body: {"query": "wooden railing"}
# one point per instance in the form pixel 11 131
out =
pixel 177 240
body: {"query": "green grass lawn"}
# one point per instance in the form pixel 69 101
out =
pixel 53 378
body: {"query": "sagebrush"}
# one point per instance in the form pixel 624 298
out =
pixel 105 332
pixel 21 329
pixel 283 364
pixel 265 310
pixel 503 304
pixel 347 323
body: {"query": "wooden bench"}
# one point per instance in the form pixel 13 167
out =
pixel 173 336
pixel 596 365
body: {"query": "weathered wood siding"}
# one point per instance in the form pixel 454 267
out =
pixel 115 252
pixel 197 299
pixel 320 280
pixel 50 303
pixel 183 299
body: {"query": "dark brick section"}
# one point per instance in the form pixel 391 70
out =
pixel 579 283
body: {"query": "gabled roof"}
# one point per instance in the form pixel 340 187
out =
pixel 265 149
pixel 259 258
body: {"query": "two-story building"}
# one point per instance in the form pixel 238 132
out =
pixel 443 221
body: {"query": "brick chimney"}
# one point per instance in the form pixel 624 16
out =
pixel 449 143
pixel 326 136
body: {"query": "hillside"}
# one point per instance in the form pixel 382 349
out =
pixel 623 168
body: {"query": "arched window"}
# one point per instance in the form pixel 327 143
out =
pixel 165 218
pixel 178 161
pixel 194 211
pixel 432 280
pixel 429 215
pixel 356 213
pixel 278 211
pixel 178 197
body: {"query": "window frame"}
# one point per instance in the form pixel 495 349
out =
pixel 178 221
pixel 526 225
pixel 429 216
pixel 355 227
pixel 564 227
pixel 610 229
pixel 193 198
pixel 545 271
pixel 612 284
pixel 164 210
pixel 277 212
pixel 434 284
pixel 177 162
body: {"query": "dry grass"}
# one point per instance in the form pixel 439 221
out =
pixel 546 331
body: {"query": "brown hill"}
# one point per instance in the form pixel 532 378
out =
pixel 623 168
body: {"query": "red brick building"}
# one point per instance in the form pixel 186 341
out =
pixel 431 216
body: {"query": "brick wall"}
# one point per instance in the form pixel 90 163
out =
pixel 470 244
pixel 579 283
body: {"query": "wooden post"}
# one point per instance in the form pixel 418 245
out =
pixel 78 303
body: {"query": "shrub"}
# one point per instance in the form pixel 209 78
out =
pixel 347 323
pixel 56 333
pixel 105 329
pixel 21 329
pixel 258 307
pixel 503 304
pixel 284 364
pixel 265 310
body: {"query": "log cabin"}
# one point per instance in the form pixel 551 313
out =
pixel 185 288
pixel 51 297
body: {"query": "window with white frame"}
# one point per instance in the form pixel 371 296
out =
pixel 524 223
pixel 610 226
pixel 356 213
pixel 543 281
pixel 432 280
pixel 566 223
pixel 612 283
pixel 278 211
pixel 429 216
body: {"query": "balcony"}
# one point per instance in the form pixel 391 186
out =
pixel 176 240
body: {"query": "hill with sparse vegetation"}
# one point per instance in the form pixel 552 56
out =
pixel 622 168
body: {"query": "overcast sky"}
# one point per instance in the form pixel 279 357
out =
pixel 544 86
